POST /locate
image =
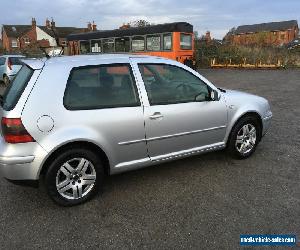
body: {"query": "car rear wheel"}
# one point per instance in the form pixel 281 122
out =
pixel 244 137
pixel 6 80
pixel 74 177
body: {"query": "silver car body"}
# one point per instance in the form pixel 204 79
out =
pixel 131 137
pixel 4 68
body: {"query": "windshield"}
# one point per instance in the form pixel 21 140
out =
pixel 13 93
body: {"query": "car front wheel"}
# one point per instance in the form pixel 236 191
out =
pixel 74 177
pixel 244 137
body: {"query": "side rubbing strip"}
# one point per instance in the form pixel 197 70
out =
pixel 170 136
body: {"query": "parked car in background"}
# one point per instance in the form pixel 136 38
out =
pixel 9 67
pixel 69 120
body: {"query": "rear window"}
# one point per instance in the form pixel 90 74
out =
pixel 15 60
pixel 13 93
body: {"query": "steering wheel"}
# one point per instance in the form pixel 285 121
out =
pixel 186 89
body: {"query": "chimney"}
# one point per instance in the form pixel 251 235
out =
pixel 89 26
pixel 124 26
pixel 33 22
pixel 207 37
pixel 48 26
pixel 52 23
pixel 94 26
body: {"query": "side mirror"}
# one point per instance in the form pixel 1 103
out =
pixel 214 95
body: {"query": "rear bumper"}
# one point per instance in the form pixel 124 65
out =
pixel 21 161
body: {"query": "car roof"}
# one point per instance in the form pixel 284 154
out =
pixel 39 63
pixel 95 57
pixel 12 56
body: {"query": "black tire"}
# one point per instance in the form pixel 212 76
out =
pixel 233 146
pixel 6 81
pixel 54 170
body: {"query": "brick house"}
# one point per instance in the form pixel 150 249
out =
pixel 272 34
pixel 17 38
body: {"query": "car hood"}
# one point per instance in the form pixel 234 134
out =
pixel 235 94
pixel 239 98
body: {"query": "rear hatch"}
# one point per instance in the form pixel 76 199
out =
pixel 13 98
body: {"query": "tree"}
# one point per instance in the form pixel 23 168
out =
pixel 139 23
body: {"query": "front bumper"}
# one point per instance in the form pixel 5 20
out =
pixel 266 121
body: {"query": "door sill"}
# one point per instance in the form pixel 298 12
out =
pixel 189 152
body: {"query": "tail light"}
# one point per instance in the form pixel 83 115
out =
pixel 14 131
pixel 9 64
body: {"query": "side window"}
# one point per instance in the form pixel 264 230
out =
pixel 15 61
pixel 96 46
pixel 122 44
pixel 138 43
pixel 2 61
pixel 84 47
pixel 153 43
pixel 97 87
pixel 168 84
pixel 167 41
pixel 108 45
pixel 185 41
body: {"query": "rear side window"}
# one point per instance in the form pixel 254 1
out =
pixel 15 61
pixel 13 93
pixel 98 87
pixel 2 61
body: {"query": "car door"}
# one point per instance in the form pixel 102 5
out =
pixel 180 118
pixel 104 99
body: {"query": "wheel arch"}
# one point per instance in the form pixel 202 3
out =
pixel 81 144
pixel 253 114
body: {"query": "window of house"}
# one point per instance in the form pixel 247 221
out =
pixel 168 84
pixel 14 43
pixel 98 87
pixel 153 43
pixel 108 45
pixel 185 41
pixel 138 43
pixel 84 47
pixel 122 44
pixel 96 46
pixel 282 36
pixel 167 41
pixel 26 40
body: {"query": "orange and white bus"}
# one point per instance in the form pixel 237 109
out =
pixel 172 40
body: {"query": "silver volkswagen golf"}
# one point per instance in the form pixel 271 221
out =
pixel 72 120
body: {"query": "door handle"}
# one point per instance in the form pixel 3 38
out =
pixel 156 115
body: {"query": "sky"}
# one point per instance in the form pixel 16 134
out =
pixel 217 16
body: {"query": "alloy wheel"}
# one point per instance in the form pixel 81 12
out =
pixel 75 178
pixel 246 139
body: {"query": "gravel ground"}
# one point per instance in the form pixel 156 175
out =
pixel 202 202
